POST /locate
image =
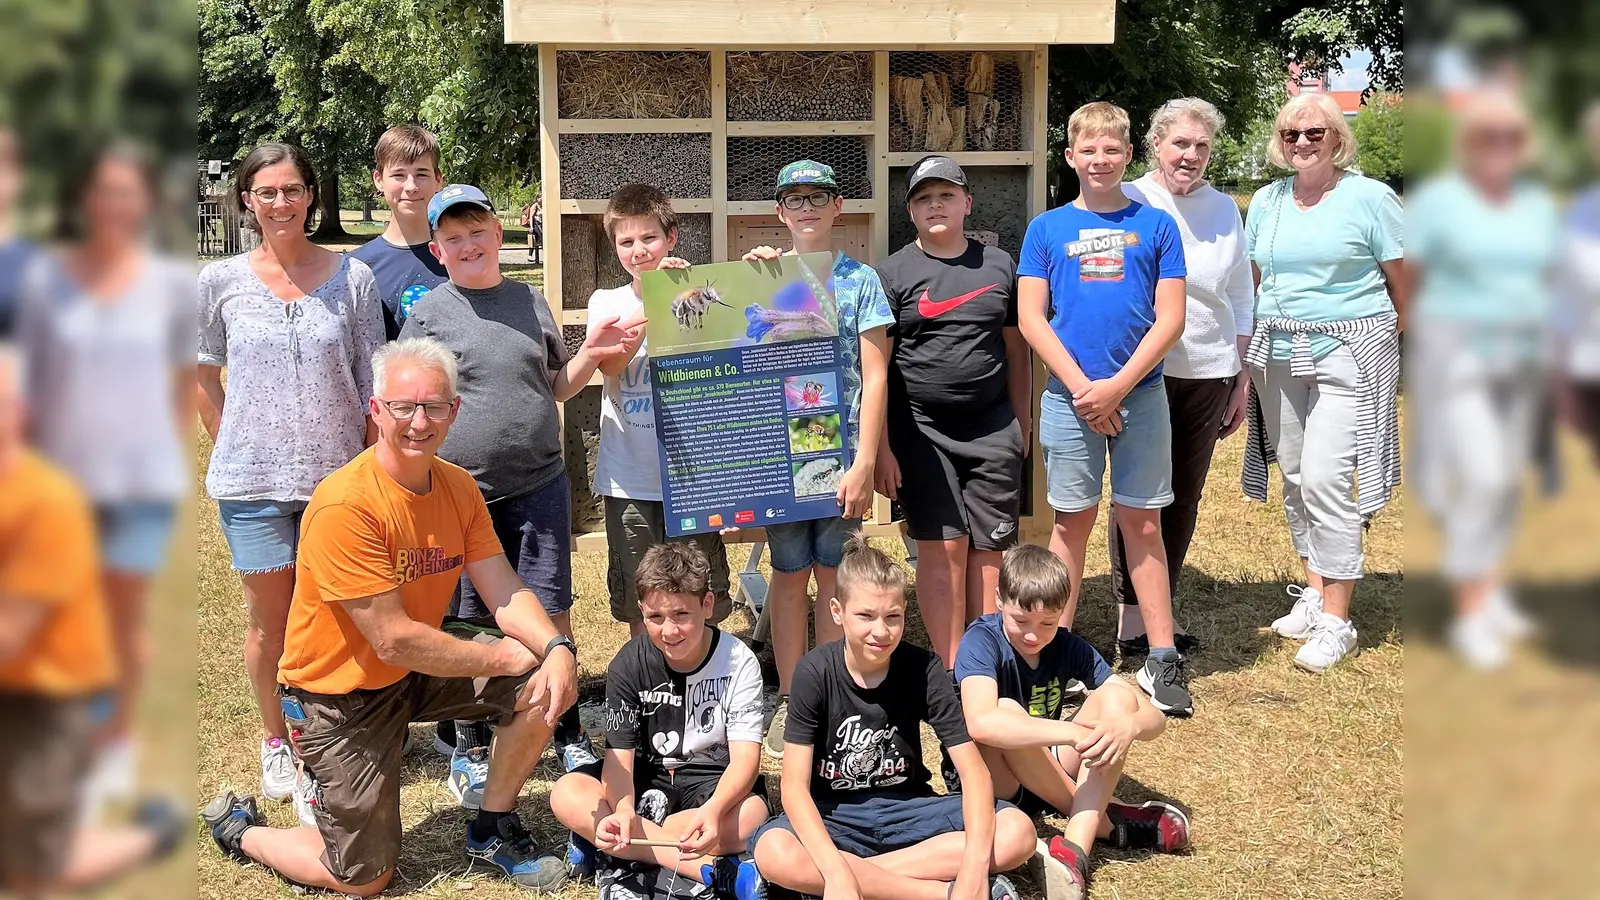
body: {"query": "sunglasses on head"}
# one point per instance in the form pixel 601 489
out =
pixel 1292 135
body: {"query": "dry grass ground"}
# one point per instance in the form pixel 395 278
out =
pixel 1294 782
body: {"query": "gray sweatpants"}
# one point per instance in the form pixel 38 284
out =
pixel 1311 422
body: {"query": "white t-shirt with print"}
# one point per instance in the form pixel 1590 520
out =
pixel 627 464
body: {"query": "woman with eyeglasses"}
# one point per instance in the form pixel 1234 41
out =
pixel 110 347
pixel 1485 245
pixel 295 326
pixel 1325 246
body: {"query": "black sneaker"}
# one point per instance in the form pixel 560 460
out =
pixel 229 817
pixel 1168 686
pixel 1140 646
pixel 734 878
pixel 513 851
pixel 576 752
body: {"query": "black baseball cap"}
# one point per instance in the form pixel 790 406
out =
pixel 942 168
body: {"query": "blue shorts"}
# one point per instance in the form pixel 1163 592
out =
pixel 262 534
pixel 877 825
pixel 535 530
pixel 797 546
pixel 136 535
pixel 1075 454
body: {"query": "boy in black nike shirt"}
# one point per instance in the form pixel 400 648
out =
pixel 861 819
pixel 683 741
pixel 959 404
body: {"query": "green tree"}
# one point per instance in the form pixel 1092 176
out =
pixel 1380 138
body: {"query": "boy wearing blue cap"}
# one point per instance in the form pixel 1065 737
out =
pixel 514 370
pixel 809 202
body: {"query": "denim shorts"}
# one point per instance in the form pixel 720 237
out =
pixel 135 535
pixel 797 546
pixel 262 534
pixel 1075 454
pixel 883 824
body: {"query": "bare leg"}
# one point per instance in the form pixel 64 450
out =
pixel 100 854
pixel 827 586
pixel 1042 770
pixel 941 567
pixel 513 754
pixel 579 803
pixel 983 582
pixel 783 860
pixel 940 857
pixel 1147 569
pixel 296 854
pixel 1069 539
pixel 267 594
pixel 125 598
pixel 1095 786
pixel 1336 597
pixel 788 621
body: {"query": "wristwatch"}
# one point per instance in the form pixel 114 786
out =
pixel 560 640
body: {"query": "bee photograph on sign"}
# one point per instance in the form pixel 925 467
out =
pixel 817 390
pixel 740 304
pixel 809 434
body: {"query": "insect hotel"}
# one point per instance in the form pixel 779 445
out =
pixel 709 99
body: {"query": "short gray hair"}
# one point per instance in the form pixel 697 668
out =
pixel 423 352
pixel 1174 111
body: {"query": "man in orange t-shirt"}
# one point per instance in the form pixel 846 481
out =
pixel 55 657
pixel 383 542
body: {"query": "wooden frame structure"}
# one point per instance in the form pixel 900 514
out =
pixel 900 38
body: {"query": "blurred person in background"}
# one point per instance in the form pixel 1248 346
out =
pixel 110 343
pixel 56 655
pixel 1485 242
pixel 1578 303
pixel 295 326
pixel 1326 250
pixel 15 253
pixel 1207 385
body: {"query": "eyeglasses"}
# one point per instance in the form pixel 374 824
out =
pixel 1292 135
pixel 438 410
pixel 293 193
pixel 818 199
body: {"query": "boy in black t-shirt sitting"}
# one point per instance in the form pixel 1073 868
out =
pixel 683 742
pixel 861 819
pixel 1015 668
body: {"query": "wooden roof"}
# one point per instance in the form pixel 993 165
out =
pixel 798 24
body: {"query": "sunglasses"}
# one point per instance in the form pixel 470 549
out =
pixel 818 199
pixel 1292 135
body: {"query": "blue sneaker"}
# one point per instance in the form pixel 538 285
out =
pixel 577 753
pixel 513 851
pixel 469 772
pixel 734 878
pixel 581 856
pixel 229 817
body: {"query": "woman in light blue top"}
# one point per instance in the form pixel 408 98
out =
pixel 1325 247
pixel 1485 244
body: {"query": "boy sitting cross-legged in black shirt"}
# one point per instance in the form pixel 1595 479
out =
pixel 861 821
pixel 683 742
pixel 1015 668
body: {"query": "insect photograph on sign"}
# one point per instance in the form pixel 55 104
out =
pixel 689 308
pixel 740 304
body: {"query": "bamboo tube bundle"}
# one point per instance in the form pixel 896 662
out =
pixel 783 86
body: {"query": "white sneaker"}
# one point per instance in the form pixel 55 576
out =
pixel 1506 617
pixel 1301 619
pixel 1479 640
pixel 305 799
pixel 1331 640
pixel 114 778
pixel 277 769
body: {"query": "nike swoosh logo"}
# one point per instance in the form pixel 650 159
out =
pixel 929 308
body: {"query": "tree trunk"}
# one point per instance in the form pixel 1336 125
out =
pixel 367 203
pixel 329 228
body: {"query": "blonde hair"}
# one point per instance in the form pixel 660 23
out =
pixel 423 353
pixel 1174 111
pixel 865 566
pixel 1097 118
pixel 1332 116
pixel 405 144
pixel 1488 109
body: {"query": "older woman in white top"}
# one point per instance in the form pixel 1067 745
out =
pixel 1578 302
pixel 1205 380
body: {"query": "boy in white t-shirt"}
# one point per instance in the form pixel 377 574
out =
pixel 643 230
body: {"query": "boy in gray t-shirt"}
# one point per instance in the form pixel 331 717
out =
pixel 514 369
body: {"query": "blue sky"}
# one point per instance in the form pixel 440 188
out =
pixel 1354 76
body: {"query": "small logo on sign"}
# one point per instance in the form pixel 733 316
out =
pixel 744 517
pixel 714 521
pixel 686 523
pixel 773 513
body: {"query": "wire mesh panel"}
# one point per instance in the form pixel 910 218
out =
pixel 944 102
pixel 633 84
pixel 999 205
pixel 781 86
pixel 753 163
pixel 594 165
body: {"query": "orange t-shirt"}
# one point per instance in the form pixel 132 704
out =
pixel 363 535
pixel 49 555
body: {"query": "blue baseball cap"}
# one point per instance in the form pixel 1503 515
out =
pixel 452 195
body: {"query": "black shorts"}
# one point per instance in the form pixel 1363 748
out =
pixel 683 790
pixel 960 474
